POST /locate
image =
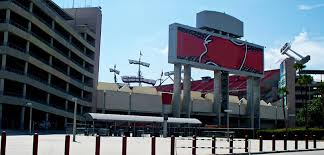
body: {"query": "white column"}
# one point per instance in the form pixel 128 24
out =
pixel 187 90
pixel 176 91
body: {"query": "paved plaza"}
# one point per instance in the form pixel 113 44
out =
pixel 85 145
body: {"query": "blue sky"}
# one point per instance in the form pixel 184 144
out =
pixel 130 26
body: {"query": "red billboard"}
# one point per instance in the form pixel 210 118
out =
pixel 203 49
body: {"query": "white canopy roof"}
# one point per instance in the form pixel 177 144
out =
pixel 136 118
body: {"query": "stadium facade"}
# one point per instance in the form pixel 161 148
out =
pixel 48 57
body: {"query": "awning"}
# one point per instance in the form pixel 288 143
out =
pixel 136 118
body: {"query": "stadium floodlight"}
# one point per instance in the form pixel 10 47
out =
pixel 287 47
pixel 115 71
pixel 171 73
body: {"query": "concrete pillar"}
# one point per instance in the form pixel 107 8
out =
pixel 24 90
pixel 1 86
pixel 46 120
pixel 48 97
pixel 68 70
pixel 187 90
pixel 26 68
pixel 3 62
pixel 5 38
pixel 225 94
pixel 27 47
pixel 51 60
pixel 291 96
pixel 1 115
pixel 52 41
pixel 31 5
pixel 176 91
pixel 22 118
pixel 66 104
pixel 7 14
pixel 29 26
pixel 217 98
pixel 253 101
pixel 49 79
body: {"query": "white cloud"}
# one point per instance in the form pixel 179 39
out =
pixel 304 7
pixel 163 50
pixel 302 44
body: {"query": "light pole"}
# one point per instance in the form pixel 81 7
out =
pixel 239 119
pixel 30 105
pixel 74 117
pixel 276 116
pixel 228 111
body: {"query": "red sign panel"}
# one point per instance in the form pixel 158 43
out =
pixel 203 49
pixel 166 98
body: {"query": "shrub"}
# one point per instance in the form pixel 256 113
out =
pixel 300 132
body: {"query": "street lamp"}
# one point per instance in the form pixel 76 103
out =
pixel 276 116
pixel 239 119
pixel 74 117
pixel 30 105
pixel 228 111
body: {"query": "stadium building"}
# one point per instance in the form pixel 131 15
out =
pixel 49 60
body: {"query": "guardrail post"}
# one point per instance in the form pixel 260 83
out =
pixel 153 146
pixel 246 143
pixel 314 138
pixel 67 145
pixel 194 140
pixel 124 145
pixel 296 142
pixel 3 142
pixel 231 144
pixel 172 145
pixel 213 145
pixel 273 143
pixel 261 144
pixel 35 144
pixel 285 142
pixel 306 141
pixel 97 152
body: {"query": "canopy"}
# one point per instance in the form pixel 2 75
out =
pixel 136 118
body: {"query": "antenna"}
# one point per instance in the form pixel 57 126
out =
pixel 115 71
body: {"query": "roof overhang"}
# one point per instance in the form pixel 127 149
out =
pixel 137 118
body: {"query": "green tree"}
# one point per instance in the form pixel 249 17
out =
pixel 314 110
pixel 304 81
pixel 321 92
pixel 299 67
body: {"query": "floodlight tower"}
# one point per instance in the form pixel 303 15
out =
pixel 287 47
pixel 115 71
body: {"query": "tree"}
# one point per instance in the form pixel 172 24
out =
pixel 314 110
pixel 305 80
pixel 321 92
pixel 299 67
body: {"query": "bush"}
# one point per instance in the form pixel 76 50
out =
pixel 300 132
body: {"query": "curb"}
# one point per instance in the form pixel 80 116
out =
pixel 283 151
